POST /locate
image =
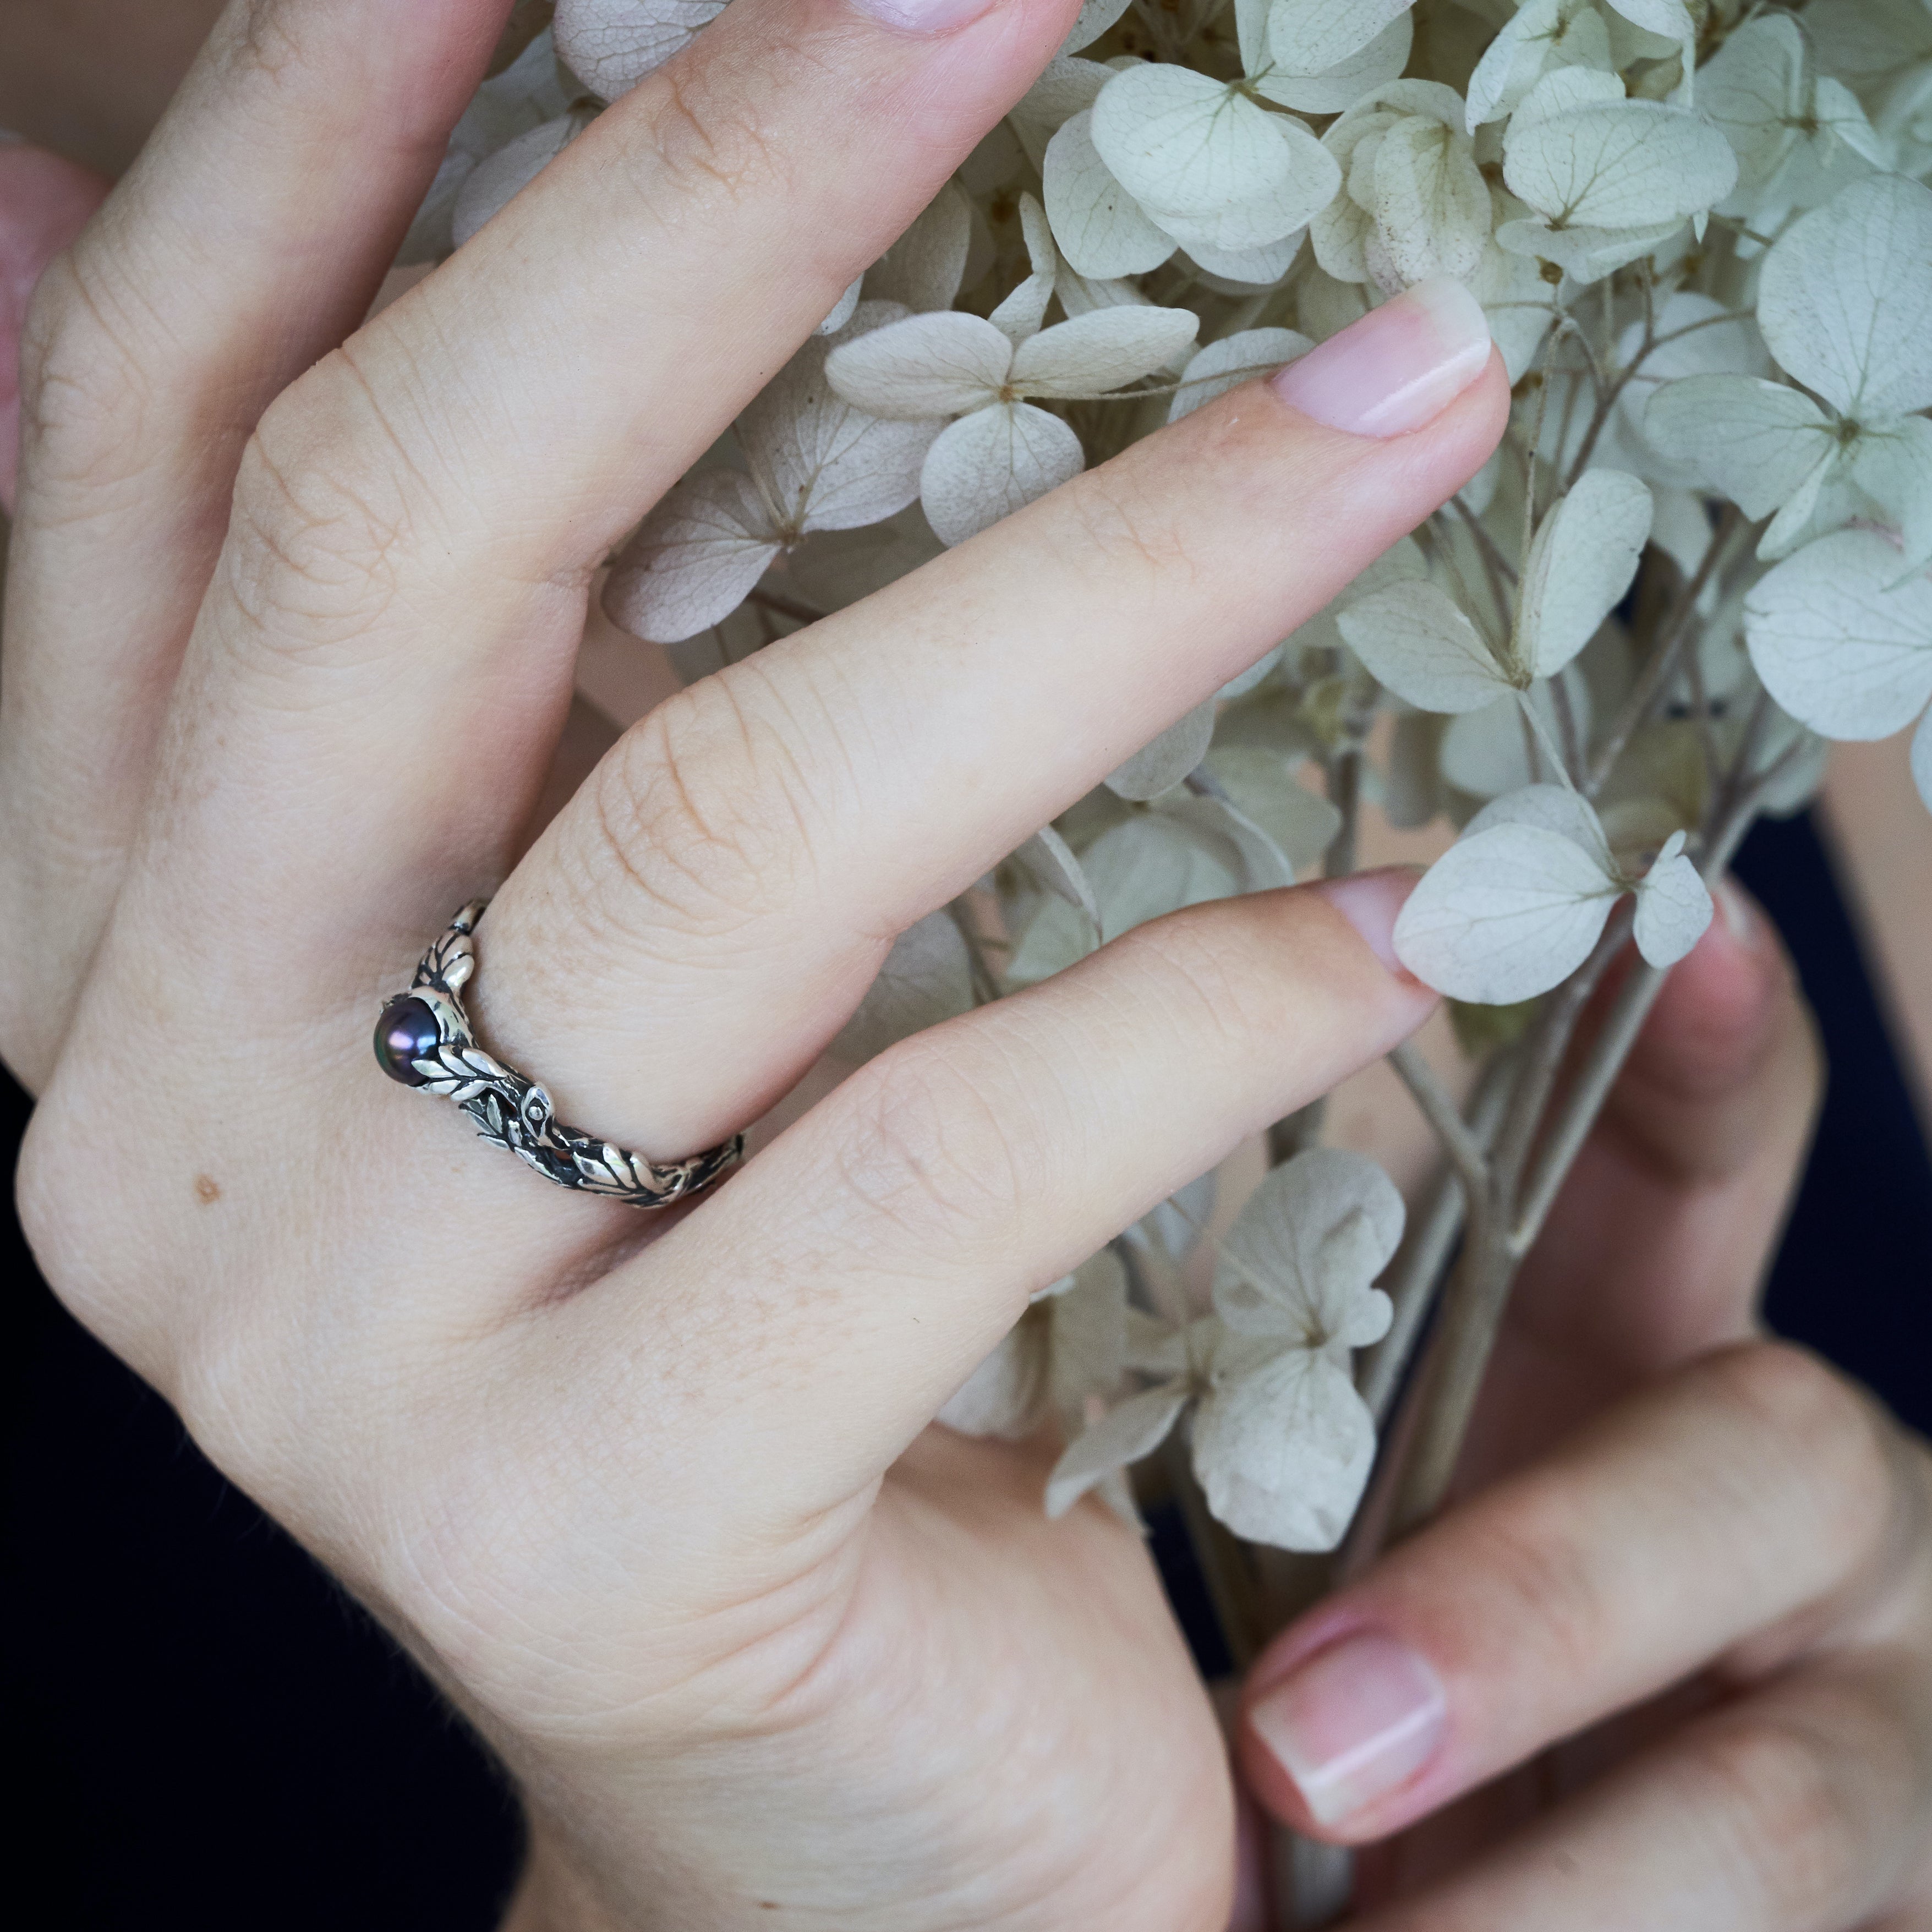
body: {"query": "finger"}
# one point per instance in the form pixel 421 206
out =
pixel 1658 1246
pixel 45 201
pixel 1733 1515
pixel 842 1286
pixel 421 516
pixel 1804 1808
pixel 723 892
pixel 247 240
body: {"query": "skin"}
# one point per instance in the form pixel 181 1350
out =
pixel 293 611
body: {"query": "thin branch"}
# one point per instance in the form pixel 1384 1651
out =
pixel 1465 1151
pixel 1412 1282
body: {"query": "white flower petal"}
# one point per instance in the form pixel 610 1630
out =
pixel 923 268
pixel 1338 88
pixel 1021 312
pixel 1673 907
pixel 1049 861
pixel 1414 640
pixel 1263 788
pixel 527 94
pixel 990 464
pixel 1584 557
pixel 1540 35
pixel 1504 915
pixel 1278 1274
pixel 1102 351
pixel 610 45
pixel 1234 360
pixel 1129 1431
pixel 1005 1395
pixel 1585 254
pixel 1620 164
pixel 823 464
pixel 1161 765
pixel 1066 88
pixel 927 977
pixel 1845 299
pixel 494 184
pixel 1894 468
pixel 1100 228
pixel 925 367
pixel 1263 266
pixel 1755 91
pixel 1552 808
pixel 1432 206
pixel 1312 36
pixel 694 559
pixel 1487 753
pixel 1841 645
pixel 1088 1331
pixel 1093 19
pixel 842 309
pixel 1205 162
pixel 1755 441
pixel 1671 19
pixel 1283 1451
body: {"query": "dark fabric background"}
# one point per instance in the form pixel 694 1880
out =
pixel 207 1733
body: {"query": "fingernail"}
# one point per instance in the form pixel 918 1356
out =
pixel 1371 902
pixel 1400 367
pixel 923 17
pixel 1354 1722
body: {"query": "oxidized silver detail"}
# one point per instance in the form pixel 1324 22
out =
pixel 511 1111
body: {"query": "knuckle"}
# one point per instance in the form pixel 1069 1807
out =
pixel 704 136
pixel 1128 524
pixel 84 392
pixel 1827 1437
pixel 931 1151
pixel 1202 979
pixel 1541 1579
pixel 1785 1823
pixel 699 819
pixel 322 516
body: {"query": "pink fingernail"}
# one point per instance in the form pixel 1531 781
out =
pixel 1354 1722
pixel 1371 902
pixel 1400 367
pixel 924 16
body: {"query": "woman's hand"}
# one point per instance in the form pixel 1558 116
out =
pixel 1673 1668
pixel 291 626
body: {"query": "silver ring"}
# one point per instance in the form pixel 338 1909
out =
pixel 424 1039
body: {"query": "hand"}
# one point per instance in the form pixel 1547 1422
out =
pixel 663 1515
pixel 1672 1667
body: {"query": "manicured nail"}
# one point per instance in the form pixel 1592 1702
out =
pixel 1371 902
pixel 1354 1722
pixel 1400 367
pixel 924 16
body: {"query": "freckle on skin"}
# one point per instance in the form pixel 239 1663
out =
pixel 205 1189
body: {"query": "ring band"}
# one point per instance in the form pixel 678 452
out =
pixel 424 1040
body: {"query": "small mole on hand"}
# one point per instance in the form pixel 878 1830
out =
pixel 206 1190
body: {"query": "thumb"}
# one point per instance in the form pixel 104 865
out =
pixel 44 203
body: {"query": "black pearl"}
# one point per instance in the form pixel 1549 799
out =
pixel 407 1032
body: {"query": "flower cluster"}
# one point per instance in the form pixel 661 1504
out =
pixel 1700 232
